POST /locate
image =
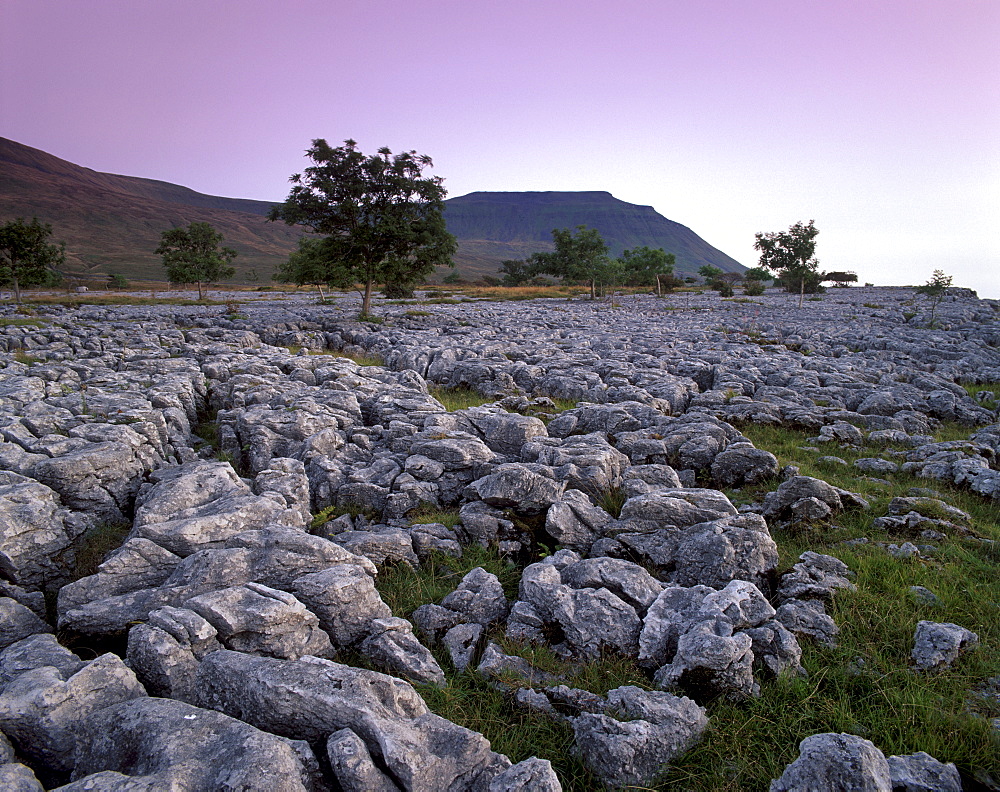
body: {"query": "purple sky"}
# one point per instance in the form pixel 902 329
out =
pixel 880 119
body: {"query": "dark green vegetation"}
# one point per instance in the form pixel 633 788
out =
pixel 380 217
pixel 27 258
pixel 863 686
pixel 935 290
pixel 193 255
pixel 791 255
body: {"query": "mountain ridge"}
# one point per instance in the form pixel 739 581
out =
pixel 112 223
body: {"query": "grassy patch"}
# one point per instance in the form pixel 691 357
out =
pixel 20 321
pixel 404 588
pixel 425 515
pixel 361 358
pixel 990 387
pixel 95 544
pixel 24 358
pixel 458 398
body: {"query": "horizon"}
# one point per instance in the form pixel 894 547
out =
pixel 881 123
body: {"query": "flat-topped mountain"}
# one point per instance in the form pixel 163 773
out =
pixel 112 223
pixel 493 226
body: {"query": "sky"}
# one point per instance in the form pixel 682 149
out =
pixel 878 119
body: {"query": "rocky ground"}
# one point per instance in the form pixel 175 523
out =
pixel 232 640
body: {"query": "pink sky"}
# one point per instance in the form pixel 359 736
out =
pixel 879 119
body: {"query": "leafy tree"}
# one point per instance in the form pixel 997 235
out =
pixel 936 289
pixel 644 266
pixel 515 272
pixel 313 263
pixel 791 254
pixel 27 258
pixel 841 278
pixel 383 220
pixel 709 273
pixel 579 256
pixel 753 287
pixel 193 255
pixel 758 274
pixel 117 281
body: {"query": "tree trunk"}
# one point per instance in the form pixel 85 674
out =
pixel 367 300
pixel 17 291
pixel 802 290
pixel 200 293
pixel 593 291
pixel 322 296
pixel 659 291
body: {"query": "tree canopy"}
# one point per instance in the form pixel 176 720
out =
pixel 27 258
pixel 936 289
pixel 579 256
pixel 382 219
pixel 193 255
pixel 791 255
pixel 645 266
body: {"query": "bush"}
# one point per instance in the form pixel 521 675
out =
pixel 398 291
pixel 753 288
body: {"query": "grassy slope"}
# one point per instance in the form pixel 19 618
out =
pixel 864 686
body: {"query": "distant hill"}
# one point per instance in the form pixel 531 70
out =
pixel 113 223
pixel 493 226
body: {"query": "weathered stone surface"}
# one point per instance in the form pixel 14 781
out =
pixel 164 744
pixel 678 507
pixel 574 522
pixel 392 646
pixel 310 699
pixel 531 775
pixel 37 651
pixel 815 576
pixel 17 622
pixel 939 643
pixel 921 772
pixel 479 598
pixel 35 539
pixel 257 619
pixel 344 598
pixel 353 766
pixel 165 652
pixel 836 761
pixel 732 548
pixel 643 731
pixel 43 713
pixel 517 487
pixel 808 619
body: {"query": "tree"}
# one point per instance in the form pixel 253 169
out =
pixel 936 289
pixel 382 219
pixel 117 281
pixel 644 266
pixel 791 254
pixel 27 258
pixel 710 274
pixel 515 272
pixel 193 255
pixel 313 263
pixel 758 274
pixel 841 278
pixel 580 256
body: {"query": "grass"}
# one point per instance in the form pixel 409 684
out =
pixel 20 321
pixel 95 544
pixel 990 387
pixel 425 515
pixel 460 398
pixel 24 358
pixel 864 685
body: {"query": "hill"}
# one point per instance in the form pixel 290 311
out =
pixel 493 226
pixel 112 223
